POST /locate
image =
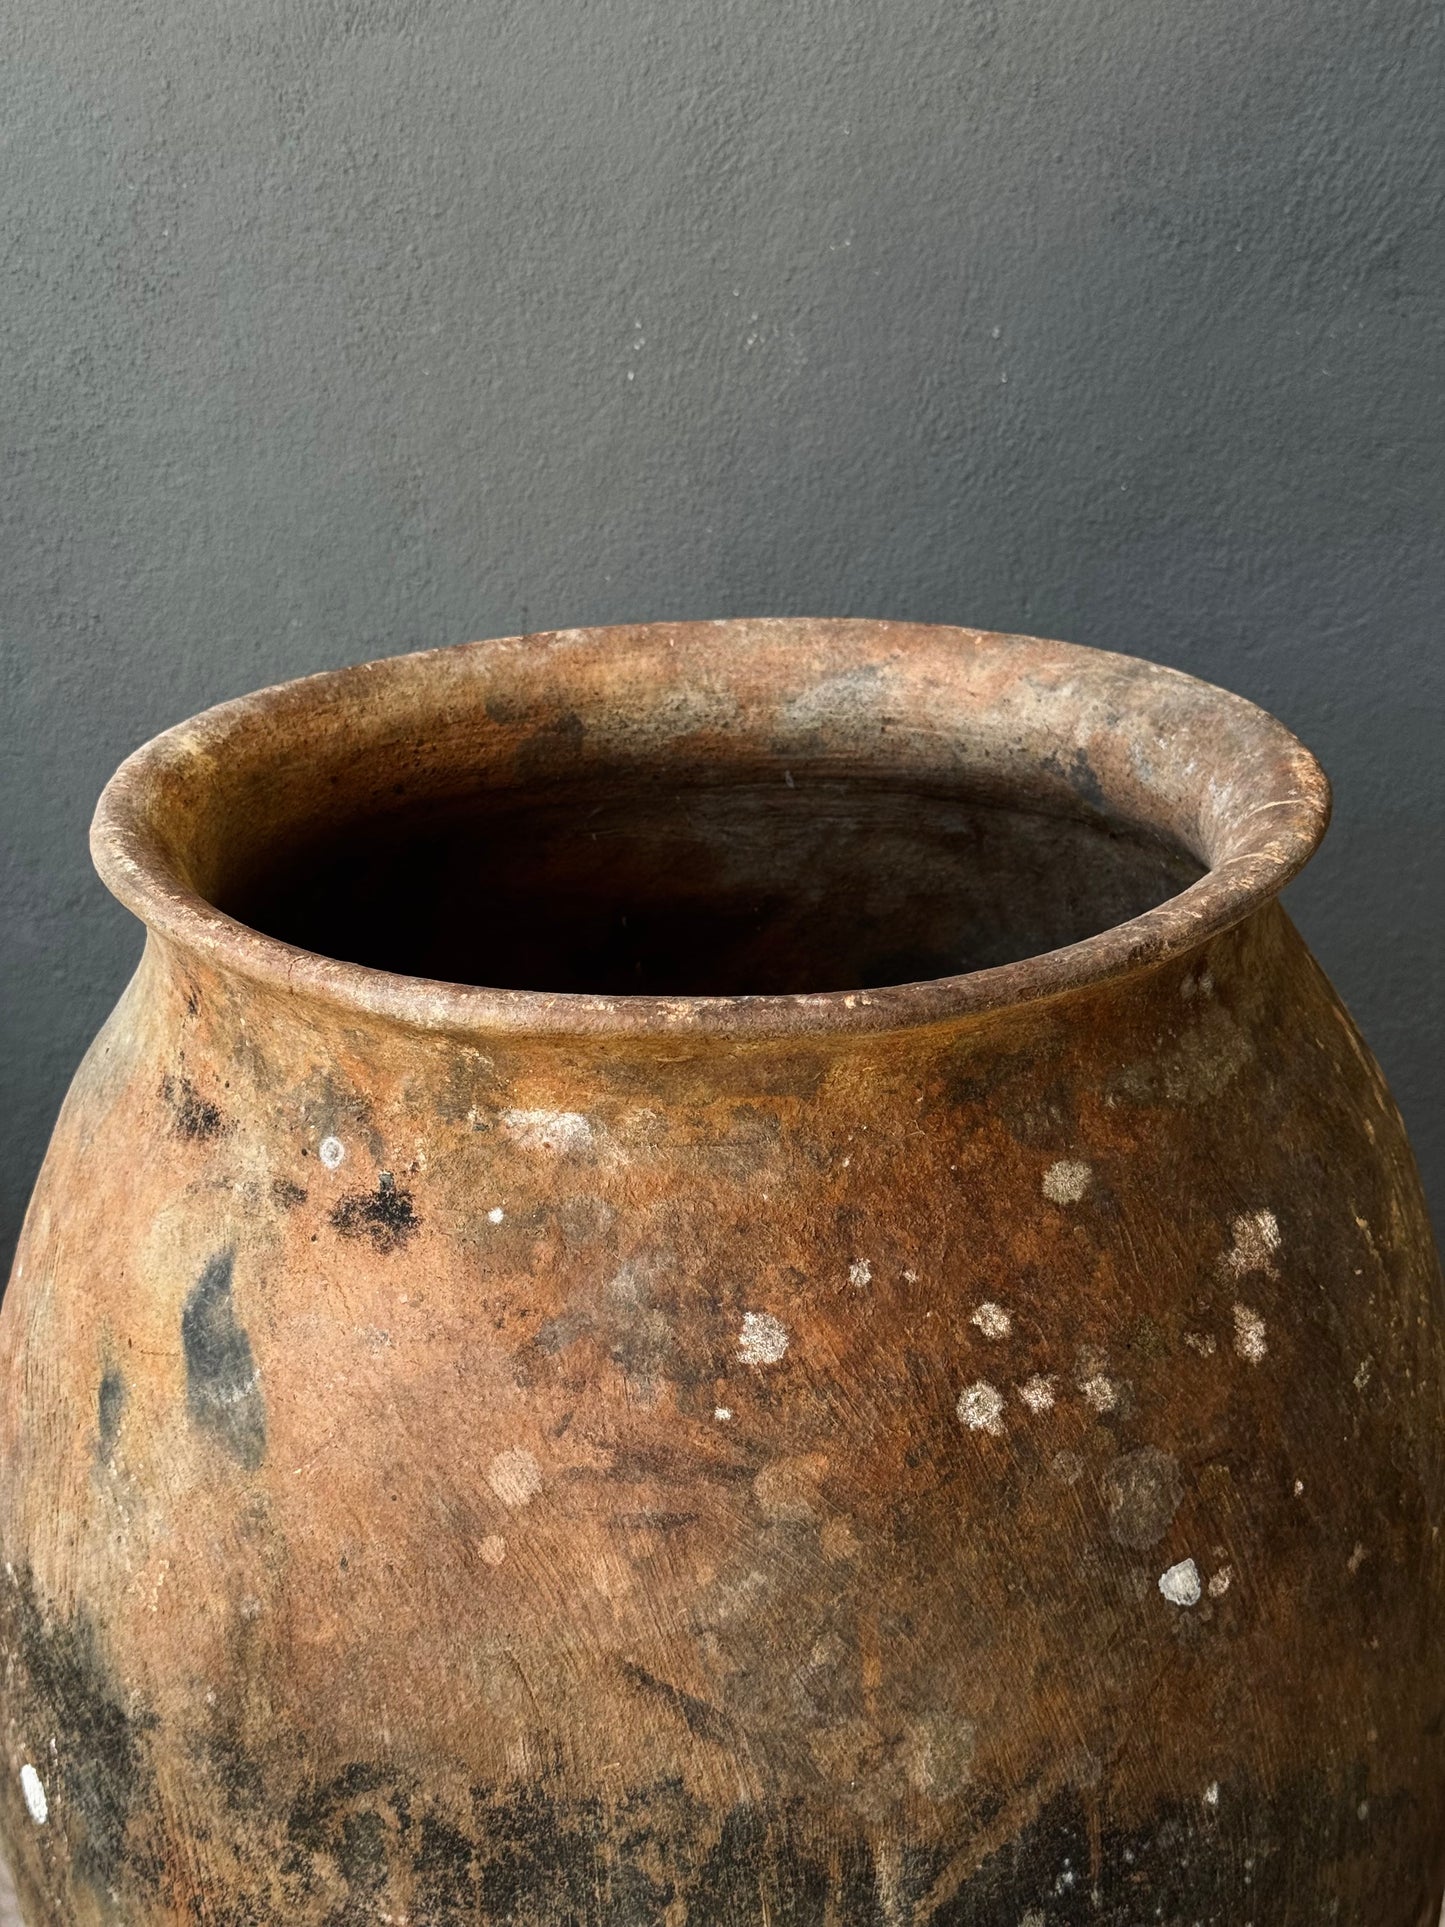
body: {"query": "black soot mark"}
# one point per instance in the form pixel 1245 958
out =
pixel 223 1392
pixel 384 1215
pixel 194 1115
pixel 59 1682
pixel 109 1407
pixel 287 1194
pixel 1080 775
pixel 702 1720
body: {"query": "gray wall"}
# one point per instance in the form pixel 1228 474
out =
pixel 334 327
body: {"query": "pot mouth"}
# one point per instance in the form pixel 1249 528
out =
pixel 918 762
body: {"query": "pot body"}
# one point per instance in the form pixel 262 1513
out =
pixel 988 1472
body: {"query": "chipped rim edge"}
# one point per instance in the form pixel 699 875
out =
pixel 134 870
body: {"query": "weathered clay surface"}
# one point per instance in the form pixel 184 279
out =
pixel 965 1454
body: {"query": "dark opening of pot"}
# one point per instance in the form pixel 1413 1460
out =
pixel 632 885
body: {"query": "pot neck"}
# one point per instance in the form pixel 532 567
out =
pixel 189 824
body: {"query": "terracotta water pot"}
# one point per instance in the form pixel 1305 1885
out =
pixel 888 1369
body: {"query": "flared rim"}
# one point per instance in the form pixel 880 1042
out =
pixel 1076 727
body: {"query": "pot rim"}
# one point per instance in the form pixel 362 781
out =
pixel 1187 760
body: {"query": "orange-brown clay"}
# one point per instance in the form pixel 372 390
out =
pixel 887 1371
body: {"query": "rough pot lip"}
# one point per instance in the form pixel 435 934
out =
pixel 1080 728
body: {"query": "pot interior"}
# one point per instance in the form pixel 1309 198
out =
pixel 631 883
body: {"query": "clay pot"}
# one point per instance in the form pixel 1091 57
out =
pixel 887 1371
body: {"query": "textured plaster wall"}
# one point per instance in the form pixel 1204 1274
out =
pixel 334 327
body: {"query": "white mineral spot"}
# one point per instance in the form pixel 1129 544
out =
pixel 1362 1376
pixel 515 1476
pixel 1256 1239
pixel 1180 1585
pixel 838 1539
pixel 827 1651
pixel 1219 1582
pixel 1038 1393
pixel 550 1130
pixel 910 1277
pixel 980 1406
pixel 763 1338
pixel 1249 1334
pixel 1033 1918
pixel 1358 1557
pixel 1299 1486
pixel 331 1151
pixel 33 1788
pixel 1101 1392
pixel 860 1273
pixel 992 1320
pixel 496 1214
pixel 1201 1342
pixel 1362 1811
pixel 1066 1181
pixel 493 1549
pixel 722 1413
pixel 1211 1794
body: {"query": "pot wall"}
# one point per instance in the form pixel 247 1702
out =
pixel 981 1472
